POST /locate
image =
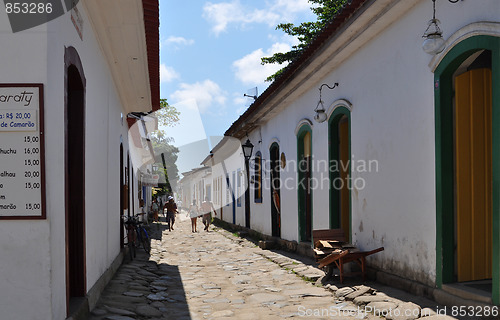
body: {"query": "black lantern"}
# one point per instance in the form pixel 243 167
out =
pixel 247 149
pixel 320 115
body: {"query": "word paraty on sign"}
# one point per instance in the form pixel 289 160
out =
pixel 22 97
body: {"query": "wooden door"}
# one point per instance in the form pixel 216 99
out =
pixel 275 191
pixel 308 191
pixel 74 181
pixel 344 174
pixel 473 176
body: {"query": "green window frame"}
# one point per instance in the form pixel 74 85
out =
pixel 444 155
pixel 333 155
pixel 301 190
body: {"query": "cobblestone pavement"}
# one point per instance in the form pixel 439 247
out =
pixel 215 274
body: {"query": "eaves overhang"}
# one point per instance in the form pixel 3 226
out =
pixel 128 34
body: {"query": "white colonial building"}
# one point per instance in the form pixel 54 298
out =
pixel 195 185
pixel 408 156
pixel 87 70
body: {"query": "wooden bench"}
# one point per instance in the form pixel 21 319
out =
pixel 340 256
pixel 329 234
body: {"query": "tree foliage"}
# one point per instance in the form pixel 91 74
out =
pixel 325 10
pixel 168 116
pixel 162 146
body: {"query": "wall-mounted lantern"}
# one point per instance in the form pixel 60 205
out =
pixel 320 115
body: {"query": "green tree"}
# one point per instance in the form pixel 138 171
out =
pixel 171 173
pixel 325 10
pixel 168 116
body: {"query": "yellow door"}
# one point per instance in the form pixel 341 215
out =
pixel 344 174
pixel 473 174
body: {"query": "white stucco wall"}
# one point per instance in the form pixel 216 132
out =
pixel 32 268
pixel 103 127
pixel 390 85
pixel 25 267
pixel 194 186
pixel 235 165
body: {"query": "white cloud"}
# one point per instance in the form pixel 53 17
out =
pixel 190 126
pixel 241 103
pixel 240 100
pixel 240 110
pixel 288 8
pixel 179 41
pixel 207 94
pixel 250 71
pixel 222 14
pixel 167 73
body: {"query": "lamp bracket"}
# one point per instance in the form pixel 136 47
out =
pixel 326 85
pixel 321 87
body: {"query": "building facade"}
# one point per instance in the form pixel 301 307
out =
pixel 195 185
pixel 90 68
pixel 408 156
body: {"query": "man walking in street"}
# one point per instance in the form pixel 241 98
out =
pixel 207 207
pixel 171 208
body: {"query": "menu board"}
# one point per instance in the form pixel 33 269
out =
pixel 22 172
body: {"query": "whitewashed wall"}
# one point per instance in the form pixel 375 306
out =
pixel 235 165
pixel 390 85
pixel 33 275
pixel 191 186
pixel 25 267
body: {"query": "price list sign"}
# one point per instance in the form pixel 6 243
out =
pixel 22 172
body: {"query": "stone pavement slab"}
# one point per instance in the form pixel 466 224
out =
pixel 218 275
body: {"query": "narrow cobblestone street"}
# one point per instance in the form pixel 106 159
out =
pixel 216 274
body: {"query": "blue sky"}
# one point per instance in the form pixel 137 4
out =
pixel 210 56
pixel 210 52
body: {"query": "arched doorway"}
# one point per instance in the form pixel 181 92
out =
pixel 472 154
pixel 234 196
pixel 122 196
pixel 275 196
pixel 467 164
pixel 340 164
pixel 304 168
pixel 75 176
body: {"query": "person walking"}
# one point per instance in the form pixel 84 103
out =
pixel 155 208
pixel 207 207
pixel 193 214
pixel 160 206
pixel 171 210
